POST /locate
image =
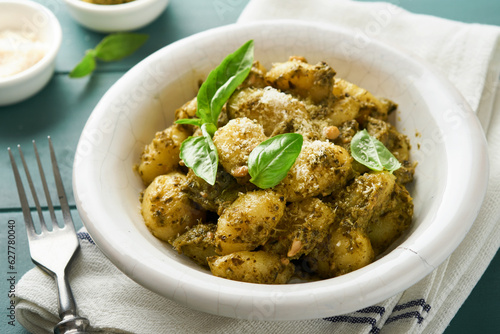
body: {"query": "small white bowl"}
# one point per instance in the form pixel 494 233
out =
pixel 447 142
pixel 115 18
pixel 33 18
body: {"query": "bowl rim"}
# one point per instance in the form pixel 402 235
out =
pixel 52 48
pixel 206 290
pixel 119 8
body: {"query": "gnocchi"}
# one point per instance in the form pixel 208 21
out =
pixel 252 267
pixel 330 215
pixel 167 210
pixel 161 156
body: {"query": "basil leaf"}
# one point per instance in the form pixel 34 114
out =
pixel 223 81
pixel 369 151
pixel 85 66
pixel 191 121
pixel 119 45
pixel 200 154
pixel 112 47
pixel 209 128
pixel 271 160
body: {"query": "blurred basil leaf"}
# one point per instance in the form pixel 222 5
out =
pixel 112 48
pixel 85 66
pixel 119 45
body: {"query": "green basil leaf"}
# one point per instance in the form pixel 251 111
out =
pixel 200 154
pixel 191 121
pixel 369 151
pixel 271 160
pixel 223 81
pixel 85 66
pixel 119 45
pixel 209 128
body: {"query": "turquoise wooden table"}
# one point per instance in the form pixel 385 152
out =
pixel 63 106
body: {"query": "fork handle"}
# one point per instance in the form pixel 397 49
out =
pixel 67 304
pixel 72 325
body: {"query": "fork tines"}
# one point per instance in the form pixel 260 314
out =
pixel 22 194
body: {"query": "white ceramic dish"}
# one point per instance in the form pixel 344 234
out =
pixel 34 19
pixel 447 143
pixel 115 18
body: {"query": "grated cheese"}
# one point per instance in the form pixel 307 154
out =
pixel 18 52
pixel 276 98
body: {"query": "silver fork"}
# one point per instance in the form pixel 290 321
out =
pixel 52 249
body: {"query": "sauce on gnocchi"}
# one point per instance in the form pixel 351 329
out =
pixel 329 216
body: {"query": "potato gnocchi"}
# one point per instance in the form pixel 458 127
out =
pixel 329 216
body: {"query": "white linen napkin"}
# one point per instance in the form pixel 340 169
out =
pixel 468 54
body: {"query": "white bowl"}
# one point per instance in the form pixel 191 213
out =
pixel 34 19
pixel 447 139
pixel 115 18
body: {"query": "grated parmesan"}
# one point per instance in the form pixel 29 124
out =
pixel 18 52
pixel 276 98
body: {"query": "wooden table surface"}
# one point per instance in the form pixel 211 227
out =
pixel 63 106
